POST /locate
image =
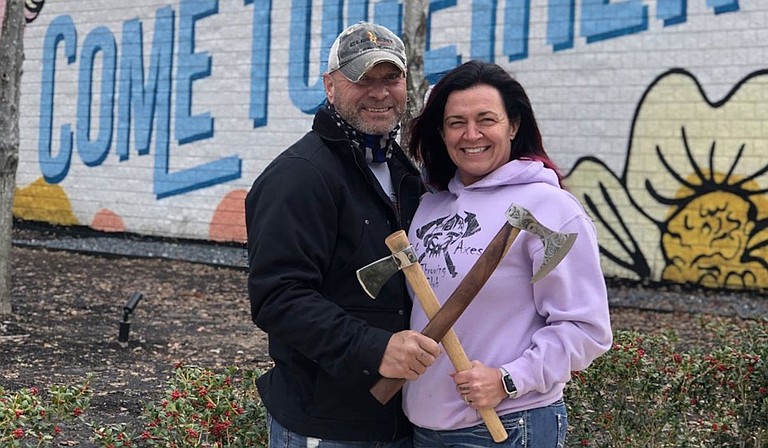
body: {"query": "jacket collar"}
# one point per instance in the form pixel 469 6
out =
pixel 326 126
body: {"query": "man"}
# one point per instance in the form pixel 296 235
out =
pixel 317 213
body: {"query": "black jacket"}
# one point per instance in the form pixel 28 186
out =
pixel 314 216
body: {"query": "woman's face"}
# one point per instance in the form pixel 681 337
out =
pixel 477 131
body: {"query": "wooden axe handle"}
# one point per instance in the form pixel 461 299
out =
pixel 471 284
pixel 418 281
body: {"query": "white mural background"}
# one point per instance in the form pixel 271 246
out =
pixel 154 117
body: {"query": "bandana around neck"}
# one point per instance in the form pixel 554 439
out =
pixel 377 148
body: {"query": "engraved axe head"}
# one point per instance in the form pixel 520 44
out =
pixel 556 244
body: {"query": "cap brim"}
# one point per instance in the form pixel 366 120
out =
pixel 355 69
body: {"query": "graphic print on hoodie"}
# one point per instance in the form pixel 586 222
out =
pixel 440 235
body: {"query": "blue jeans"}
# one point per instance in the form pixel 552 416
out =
pixel 280 437
pixel 536 428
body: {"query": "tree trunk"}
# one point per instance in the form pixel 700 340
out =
pixel 11 58
pixel 415 40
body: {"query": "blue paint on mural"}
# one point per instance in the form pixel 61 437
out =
pixel 438 60
pixel 561 16
pixel 723 6
pixel 601 20
pixel 260 45
pixel 671 12
pixel 137 95
pixel 93 151
pixel 192 66
pixel 308 94
pixel 144 104
pixel 145 94
pixel 483 44
pixel 517 20
pixel 55 167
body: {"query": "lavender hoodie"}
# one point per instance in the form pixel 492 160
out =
pixel 539 333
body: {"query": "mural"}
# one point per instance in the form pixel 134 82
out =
pixel 32 9
pixel 689 207
pixel 41 201
pixel 155 117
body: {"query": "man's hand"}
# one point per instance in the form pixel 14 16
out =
pixel 408 355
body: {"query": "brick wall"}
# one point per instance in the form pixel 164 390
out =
pixel 154 117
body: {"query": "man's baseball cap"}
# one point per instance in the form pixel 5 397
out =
pixel 363 45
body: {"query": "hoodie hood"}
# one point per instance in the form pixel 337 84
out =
pixel 516 172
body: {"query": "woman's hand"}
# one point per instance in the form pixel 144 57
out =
pixel 480 387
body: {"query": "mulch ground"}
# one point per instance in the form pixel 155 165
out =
pixel 68 307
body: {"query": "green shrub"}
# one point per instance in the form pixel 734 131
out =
pixel 647 391
pixel 30 418
pixel 201 408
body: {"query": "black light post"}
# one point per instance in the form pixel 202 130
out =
pixel 125 325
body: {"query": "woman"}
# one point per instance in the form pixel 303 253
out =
pixel 482 151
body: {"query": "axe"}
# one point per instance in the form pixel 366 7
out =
pixel 373 276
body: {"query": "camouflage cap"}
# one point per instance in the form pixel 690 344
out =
pixel 362 46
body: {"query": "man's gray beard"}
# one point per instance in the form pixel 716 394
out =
pixel 361 125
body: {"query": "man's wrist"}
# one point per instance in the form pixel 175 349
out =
pixel 507 384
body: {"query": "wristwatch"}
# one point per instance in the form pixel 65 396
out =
pixel 507 383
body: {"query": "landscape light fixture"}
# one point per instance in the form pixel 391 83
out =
pixel 125 325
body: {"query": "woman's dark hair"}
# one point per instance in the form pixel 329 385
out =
pixel 426 144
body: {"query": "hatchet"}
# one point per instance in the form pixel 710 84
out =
pixel 373 276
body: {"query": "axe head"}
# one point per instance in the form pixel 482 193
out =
pixel 556 244
pixel 373 276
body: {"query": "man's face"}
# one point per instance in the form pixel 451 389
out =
pixel 375 104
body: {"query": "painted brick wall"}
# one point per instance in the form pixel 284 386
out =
pixel 155 116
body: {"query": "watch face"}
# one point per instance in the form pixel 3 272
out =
pixel 509 385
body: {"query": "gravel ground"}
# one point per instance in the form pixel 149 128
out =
pixel 89 242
